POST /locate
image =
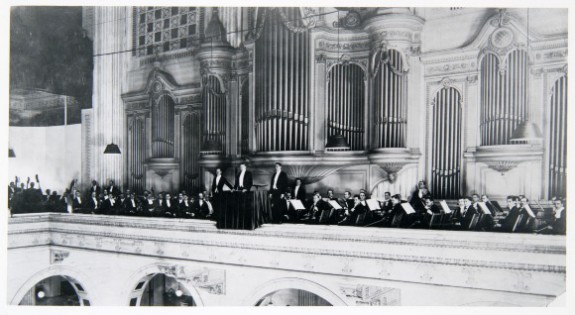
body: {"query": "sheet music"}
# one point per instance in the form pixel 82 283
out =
pixel 296 204
pixel 373 204
pixel 528 209
pixel 484 208
pixel 444 206
pixel 226 188
pixel 407 208
pixel 335 204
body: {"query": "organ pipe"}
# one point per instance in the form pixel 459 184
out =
pixel 282 84
pixel 191 150
pixel 390 95
pixel 163 128
pixel 503 97
pixel 245 118
pixel 215 115
pixel 345 104
pixel 446 148
pixel 558 139
pixel 136 154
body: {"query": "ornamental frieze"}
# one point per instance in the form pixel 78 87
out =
pixel 322 44
pixel 451 68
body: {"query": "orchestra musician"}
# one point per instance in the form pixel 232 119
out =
pixel 299 190
pixel 278 187
pixel 93 203
pixel 315 209
pixel 244 180
pixel 559 219
pixel 201 207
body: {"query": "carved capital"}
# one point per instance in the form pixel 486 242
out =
pixel 57 256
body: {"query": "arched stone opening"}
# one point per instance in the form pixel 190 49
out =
pixel 56 290
pixel 293 292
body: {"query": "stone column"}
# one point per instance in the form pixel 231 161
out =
pixel 112 33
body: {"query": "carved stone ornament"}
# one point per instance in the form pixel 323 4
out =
pixel 212 281
pixel 502 166
pixel 361 294
pixel 447 82
pixel 57 256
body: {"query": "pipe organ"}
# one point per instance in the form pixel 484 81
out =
pixel 136 153
pixel 503 96
pixel 163 127
pixel 558 139
pixel 282 83
pixel 272 85
pixel 390 89
pixel 214 116
pixel 446 156
pixel 346 104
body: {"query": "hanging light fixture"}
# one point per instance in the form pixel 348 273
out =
pixel 112 148
pixel 527 131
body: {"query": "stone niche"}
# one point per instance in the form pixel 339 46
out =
pixel 162 174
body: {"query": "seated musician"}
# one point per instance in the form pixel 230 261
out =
pixel 331 195
pixel 289 213
pixel 397 213
pixel 417 200
pixel 150 207
pixel 386 204
pixel 559 220
pixel 299 190
pixel 346 203
pixel 93 204
pixel 356 214
pixel 468 213
pixel 527 223
pixel 132 205
pixel 316 208
pixel 201 207
pixel 430 209
pixel 507 224
pixel 185 209
pixel 77 202
pixel 486 221
pixel 170 207
pixel 121 204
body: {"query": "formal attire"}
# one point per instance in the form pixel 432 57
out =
pixel 299 193
pixel 278 187
pixel 243 181
pixel 218 184
pixel 201 208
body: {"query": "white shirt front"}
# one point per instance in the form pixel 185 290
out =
pixel 133 203
pixel 242 179
pixel 95 203
pixel 218 181
pixel 276 180
pixel 558 213
pixel 296 190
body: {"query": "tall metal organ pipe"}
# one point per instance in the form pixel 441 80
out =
pixel 446 157
pixel 163 128
pixel 558 139
pixel 346 104
pixel 503 96
pixel 390 94
pixel 282 84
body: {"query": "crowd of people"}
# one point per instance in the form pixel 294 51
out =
pixel 289 204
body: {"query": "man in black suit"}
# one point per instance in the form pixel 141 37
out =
pixel 170 207
pixel 219 182
pixel 244 180
pixel 92 203
pixel 278 187
pixel 77 202
pixel 94 188
pixel 201 207
pixel 316 208
pixel 113 189
pixel 299 190
pixel 132 205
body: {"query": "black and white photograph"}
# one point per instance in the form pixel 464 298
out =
pixel 282 155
